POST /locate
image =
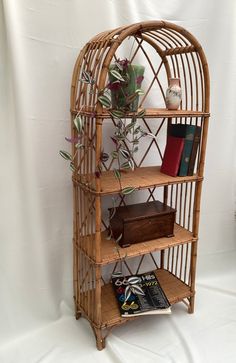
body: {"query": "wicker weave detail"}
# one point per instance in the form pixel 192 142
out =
pixel 166 50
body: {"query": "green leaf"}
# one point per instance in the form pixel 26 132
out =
pixel 130 126
pixel 124 153
pixel 131 98
pixel 135 141
pixel 117 113
pixel 86 78
pixel 127 190
pixel 133 280
pixel 137 290
pixel 105 101
pixel 137 130
pixel 117 174
pixel 72 166
pixel 117 274
pixel 79 123
pixel 128 293
pixel 104 157
pixel 139 91
pixel 119 66
pixel 109 236
pixel 150 134
pixel 120 137
pixel 131 164
pixel 119 238
pixel 113 211
pixel 65 155
pixel 125 165
pixel 117 75
pixel 141 113
pixel 114 154
pixel 78 146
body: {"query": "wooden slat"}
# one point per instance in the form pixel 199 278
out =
pixel 175 290
pixel 110 255
pixel 140 178
pixel 149 113
pixel 179 50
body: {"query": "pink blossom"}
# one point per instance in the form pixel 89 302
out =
pixel 139 80
pixel 114 86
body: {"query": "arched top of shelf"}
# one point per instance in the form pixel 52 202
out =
pixel 176 47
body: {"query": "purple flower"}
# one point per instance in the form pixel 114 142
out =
pixel 97 174
pixel 124 63
pixel 114 86
pixel 139 80
pixel 114 140
pixel 72 140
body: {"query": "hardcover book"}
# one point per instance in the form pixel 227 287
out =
pixel 188 144
pixel 196 143
pixel 140 295
pixel 191 136
pixel 172 155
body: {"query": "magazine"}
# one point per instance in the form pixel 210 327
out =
pixel 140 295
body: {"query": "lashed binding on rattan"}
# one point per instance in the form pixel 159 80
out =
pixel 179 55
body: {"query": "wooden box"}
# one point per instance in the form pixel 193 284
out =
pixel 142 222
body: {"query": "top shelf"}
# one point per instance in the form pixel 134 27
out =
pixel 149 113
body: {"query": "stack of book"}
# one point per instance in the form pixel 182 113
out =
pixel 181 149
pixel 140 295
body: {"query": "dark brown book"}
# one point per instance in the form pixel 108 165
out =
pixel 196 143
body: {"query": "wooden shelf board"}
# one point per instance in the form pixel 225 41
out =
pixel 175 290
pixel 149 113
pixel 140 178
pixel 109 252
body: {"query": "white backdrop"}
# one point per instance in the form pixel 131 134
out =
pixel 39 43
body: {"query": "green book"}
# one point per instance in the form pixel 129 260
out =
pixel 188 144
pixel 187 132
pixel 195 147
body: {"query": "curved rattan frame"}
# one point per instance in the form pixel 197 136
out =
pixel 181 55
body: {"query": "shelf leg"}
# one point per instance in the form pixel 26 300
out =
pixel 191 305
pixel 100 340
pixel 77 315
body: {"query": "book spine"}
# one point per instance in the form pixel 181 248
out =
pixel 172 155
pixel 196 142
pixel 188 144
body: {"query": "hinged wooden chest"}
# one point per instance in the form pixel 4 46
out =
pixel 142 222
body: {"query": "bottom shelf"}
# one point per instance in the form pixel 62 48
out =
pixel 175 290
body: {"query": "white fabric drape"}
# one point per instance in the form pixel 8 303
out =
pixel 39 43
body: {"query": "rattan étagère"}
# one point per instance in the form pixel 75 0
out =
pixel 166 50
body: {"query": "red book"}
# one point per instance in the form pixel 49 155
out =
pixel 172 155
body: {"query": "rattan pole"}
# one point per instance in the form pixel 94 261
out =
pixel 180 204
pixel 181 261
pixel 100 55
pixel 201 82
pixel 176 260
pixel 80 86
pixel 186 260
pixel 161 41
pixel 183 69
pixel 74 82
pixel 162 32
pixel 176 39
pixel 88 61
pixel 193 275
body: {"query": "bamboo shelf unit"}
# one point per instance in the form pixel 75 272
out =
pixel 166 50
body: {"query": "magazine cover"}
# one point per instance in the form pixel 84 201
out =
pixel 140 295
